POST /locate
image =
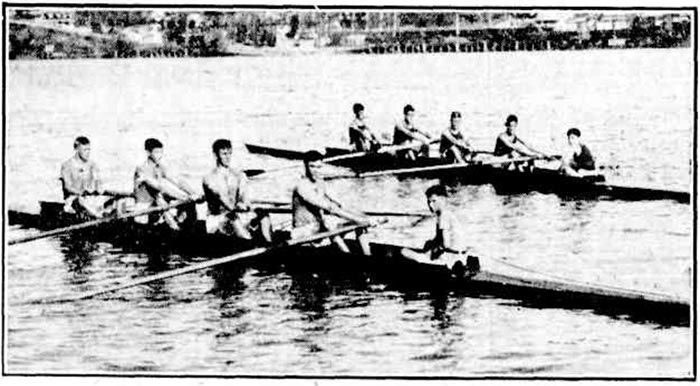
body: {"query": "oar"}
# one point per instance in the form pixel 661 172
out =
pixel 385 149
pixel 208 264
pixel 100 221
pixel 434 168
pixel 281 206
pixel 259 172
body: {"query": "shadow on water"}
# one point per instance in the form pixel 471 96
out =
pixel 77 255
pixel 227 282
pixel 309 294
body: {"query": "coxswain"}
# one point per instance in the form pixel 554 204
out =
pixel 406 133
pixel 80 179
pixel 311 203
pixel 579 159
pixel 361 137
pixel 226 193
pixel 448 243
pixel 454 146
pixel 154 186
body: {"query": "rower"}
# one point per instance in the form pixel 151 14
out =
pixel 361 137
pixel 226 193
pixel 309 203
pixel 81 182
pixel 448 243
pixel 405 133
pixel 510 145
pixel 579 159
pixel 155 186
pixel 454 147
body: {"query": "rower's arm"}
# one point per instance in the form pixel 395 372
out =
pixel 141 177
pixel 464 145
pixel 413 135
pixel 213 193
pixel 327 204
pixel 519 146
pixel 531 151
pixel 243 195
pixel 451 234
pixel 178 182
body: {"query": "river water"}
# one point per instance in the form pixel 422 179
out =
pixel 634 107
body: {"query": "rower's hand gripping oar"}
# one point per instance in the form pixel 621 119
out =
pixel 101 221
pixel 208 264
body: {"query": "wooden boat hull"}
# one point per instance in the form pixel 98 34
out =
pixel 476 276
pixel 504 181
pixel 472 276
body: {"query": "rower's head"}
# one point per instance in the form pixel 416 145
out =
pixel 455 120
pixel 310 157
pixel 573 135
pixel 359 110
pixel 81 145
pixel 436 196
pixel 222 151
pixel 511 122
pixel 154 148
pixel 408 113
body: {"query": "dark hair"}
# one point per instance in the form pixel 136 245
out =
pixel 220 144
pixel 573 131
pixel 357 107
pixel 80 141
pixel 436 190
pixel 455 114
pixel 407 109
pixel 152 143
pixel 311 156
pixel 511 118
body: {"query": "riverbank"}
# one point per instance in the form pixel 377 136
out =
pixel 108 34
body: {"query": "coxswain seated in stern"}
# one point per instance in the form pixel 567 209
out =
pixel 226 193
pixel 311 203
pixel 578 161
pixel 447 246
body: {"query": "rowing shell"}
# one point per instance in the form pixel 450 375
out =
pixel 505 181
pixel 471 275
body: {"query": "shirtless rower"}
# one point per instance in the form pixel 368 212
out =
pixel 578 161
pixel 405 132
pixel 80 179
pixel 155 186
pixel 362 139
pixel 226 193
pixel 454 146
pixel 310 202
pixel 448 243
